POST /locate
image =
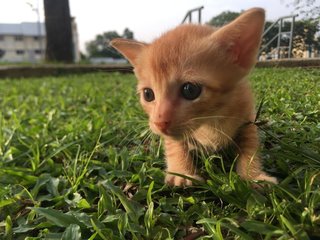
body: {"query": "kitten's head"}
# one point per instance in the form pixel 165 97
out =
pixel 186 75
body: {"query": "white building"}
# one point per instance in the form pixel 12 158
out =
pixel 25 42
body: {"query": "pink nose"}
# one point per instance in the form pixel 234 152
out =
pixel 162 126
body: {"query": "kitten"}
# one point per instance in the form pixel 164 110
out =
pixel 192 84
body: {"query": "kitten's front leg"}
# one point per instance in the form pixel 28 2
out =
pixel 249 164
pixel 179 161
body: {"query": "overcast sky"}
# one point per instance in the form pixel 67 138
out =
pixel 146 18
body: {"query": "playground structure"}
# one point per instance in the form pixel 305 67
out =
pixel 188 16
pixel 280 50
pixel 294 47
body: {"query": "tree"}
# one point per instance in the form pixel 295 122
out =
pixel 128 34
pixel 223 18
pixel 100 46
pixel 309 9
pixel 59 46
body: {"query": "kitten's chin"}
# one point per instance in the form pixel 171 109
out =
pixel 167 133
pixel 173 136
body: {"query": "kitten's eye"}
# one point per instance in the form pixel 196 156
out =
pixel 148 94
pixel 191 91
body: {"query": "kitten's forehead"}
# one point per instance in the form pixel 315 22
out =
pixel 168 55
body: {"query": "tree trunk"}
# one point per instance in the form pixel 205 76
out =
pixel 58 30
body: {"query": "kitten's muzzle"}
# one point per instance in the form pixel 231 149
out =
pixel 162 126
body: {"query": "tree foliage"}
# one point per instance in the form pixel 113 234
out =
pixel 99 47
pixel 223 18
pixel 308 9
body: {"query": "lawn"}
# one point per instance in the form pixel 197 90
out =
pixel 77 162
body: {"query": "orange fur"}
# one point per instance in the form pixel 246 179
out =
pixel 218 60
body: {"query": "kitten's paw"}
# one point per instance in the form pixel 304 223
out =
pixel 178 181
pixel 263 177
pixel 267 178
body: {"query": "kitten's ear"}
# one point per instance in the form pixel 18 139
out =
pixel 242 37
pixel 130 49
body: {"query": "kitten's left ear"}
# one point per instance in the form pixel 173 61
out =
pixel 242 37
pixel 130 49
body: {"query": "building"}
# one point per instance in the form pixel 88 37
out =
pixel 24 42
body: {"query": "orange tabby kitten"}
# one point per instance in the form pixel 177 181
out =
pixel 192 84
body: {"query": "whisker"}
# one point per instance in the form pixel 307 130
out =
pixel 211 142
pixel 228 137
pixel 205 149
pixel 216 117
pixel 143 141
pixel 131 135
pixel 135 121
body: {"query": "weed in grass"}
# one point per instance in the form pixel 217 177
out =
pixel 77 162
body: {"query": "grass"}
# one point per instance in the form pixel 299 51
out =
pixel 76 162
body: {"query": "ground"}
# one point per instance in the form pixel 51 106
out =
pixel 77 162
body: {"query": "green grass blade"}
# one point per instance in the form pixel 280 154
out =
pixel 262 228
pixel 133 209
pixel 301 235
pixel 226 223
pixel 58 218
pixel 8 228
pixel 72 232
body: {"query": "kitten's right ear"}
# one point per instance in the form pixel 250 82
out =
pixel 130 49
pixel 242 37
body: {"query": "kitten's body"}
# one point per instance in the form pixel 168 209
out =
pixel 210 67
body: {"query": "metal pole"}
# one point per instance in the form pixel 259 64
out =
pixel 291 36
pixel 37 11
pixel 185 18
pixel 39 30
pixel 279 38
pixel 200 15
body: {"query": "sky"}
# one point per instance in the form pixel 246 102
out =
pixel 148 19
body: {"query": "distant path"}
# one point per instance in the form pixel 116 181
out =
pixel 307 62
pixel 19 71
pixel 41 70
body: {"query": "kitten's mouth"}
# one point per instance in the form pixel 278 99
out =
pixel 167 131
pixel 170 134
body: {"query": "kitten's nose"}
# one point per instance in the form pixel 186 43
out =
pixel 162 126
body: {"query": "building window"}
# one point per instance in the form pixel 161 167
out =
pixel 37 51
pixel 2 53
pixel 18 38
pixel 20 52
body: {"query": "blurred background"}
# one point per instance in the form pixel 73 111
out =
pixel 37 31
